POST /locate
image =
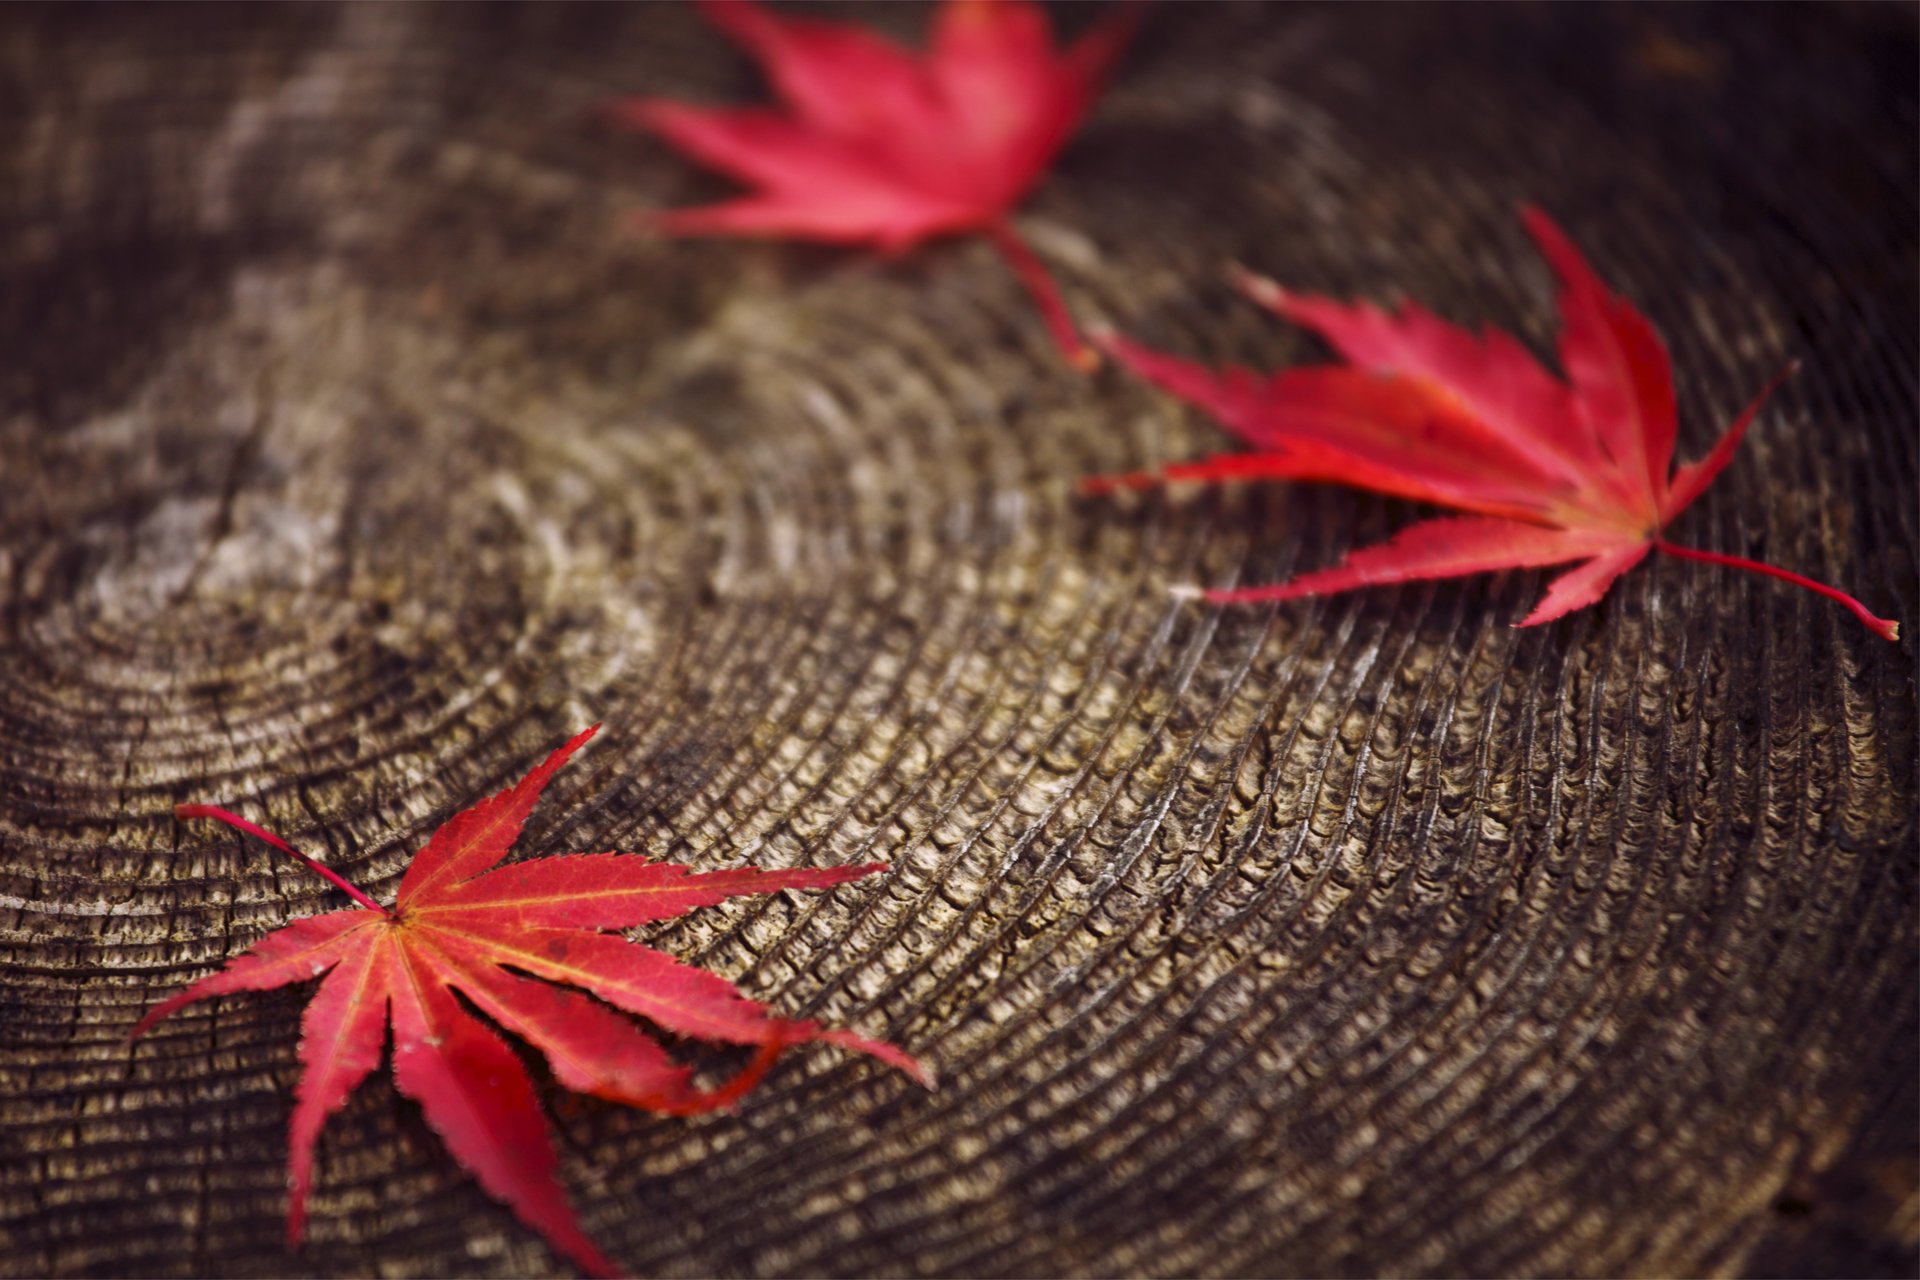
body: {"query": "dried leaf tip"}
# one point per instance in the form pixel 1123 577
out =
pixel 1263 290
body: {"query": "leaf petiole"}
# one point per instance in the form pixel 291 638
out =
pixel 1885 628
pixel 1046 295
pixel 239 823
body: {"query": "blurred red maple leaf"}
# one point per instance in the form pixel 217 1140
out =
pixel 879 147
pixel 1553 471
pixel 454 928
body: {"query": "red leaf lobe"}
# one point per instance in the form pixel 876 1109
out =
pixel 458 926
pixel 881 147
pixel 1548 471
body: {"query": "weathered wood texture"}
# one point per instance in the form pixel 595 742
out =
pixel 354 454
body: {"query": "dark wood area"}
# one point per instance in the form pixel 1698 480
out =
pixel 353 453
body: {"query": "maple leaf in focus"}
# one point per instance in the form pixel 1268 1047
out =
pixel 1551 471
pixel 453 928
pixel 879 147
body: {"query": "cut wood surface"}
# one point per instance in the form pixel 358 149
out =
pixel 354 452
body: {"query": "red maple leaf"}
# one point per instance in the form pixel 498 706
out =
pixel 1553 471
pixel 454 928
pixel 882 148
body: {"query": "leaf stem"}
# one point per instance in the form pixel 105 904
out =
pixel 1884 628
pixel 1046 295
pixel 236 821
pixel 1099 486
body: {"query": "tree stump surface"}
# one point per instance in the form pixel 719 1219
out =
pixel 353 452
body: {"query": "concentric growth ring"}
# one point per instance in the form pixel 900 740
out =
pixel 356 452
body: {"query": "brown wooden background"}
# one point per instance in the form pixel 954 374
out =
pixel 351 455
